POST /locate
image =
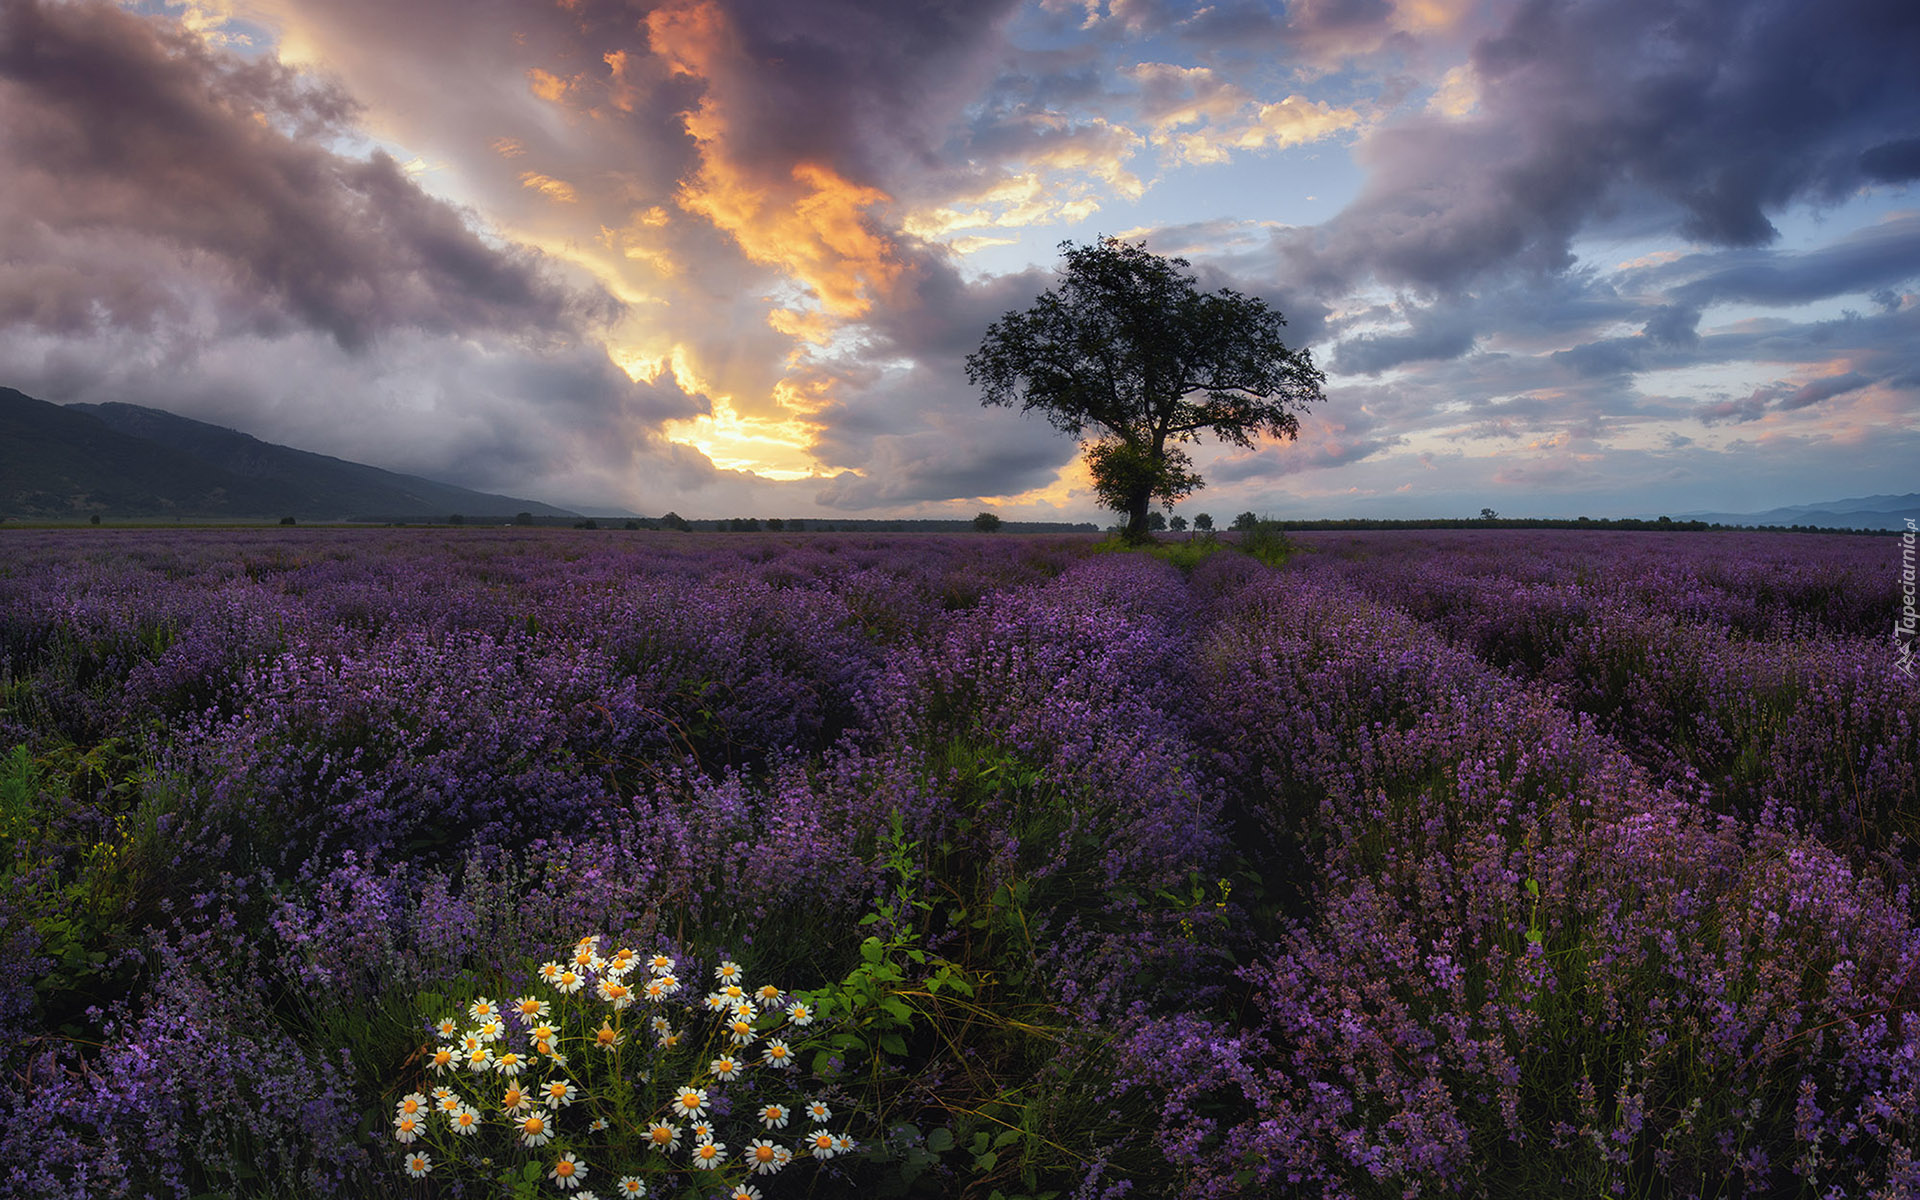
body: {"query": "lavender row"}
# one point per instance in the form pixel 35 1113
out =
pixel 1281 886
pixel 1526 967
pixel 1764 680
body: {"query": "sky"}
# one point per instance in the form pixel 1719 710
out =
pixel 728 257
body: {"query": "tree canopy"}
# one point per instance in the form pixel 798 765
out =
pixel 1130 357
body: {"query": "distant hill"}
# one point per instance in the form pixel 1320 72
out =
pixel 125 460
pixel 1862 512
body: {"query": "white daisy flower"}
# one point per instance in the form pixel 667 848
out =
pixel 536 1128
pixel 663 1137
pixel 709 1155
pixel 774 1116
pixel 465 1120
pixel 515 1098
pixel 531 1008
pixel 419 1163
pixel 568 1172
pixel 726 1068
pixel 727 972
pixel 483 1009
pixel 761 1156
pixel 690 1102
pixel 630 1186
pixel 818 1110
pixel 407 1127
pixel 777 1055
pixel 800 1013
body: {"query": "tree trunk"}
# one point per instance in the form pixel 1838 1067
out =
pixel 1138 502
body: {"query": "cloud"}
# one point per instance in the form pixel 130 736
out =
pixel 1702 122
pixel 1783 396
pixel 1199 117
pixel 1435 332
pixel 116 129
pixel 1864 260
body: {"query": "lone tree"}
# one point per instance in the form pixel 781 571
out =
pixel 1130 357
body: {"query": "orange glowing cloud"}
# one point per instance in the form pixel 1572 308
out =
pixel 807 220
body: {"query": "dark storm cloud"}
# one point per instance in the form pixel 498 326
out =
pixel 1783 397
pixel 115 128
pixel 842 81
pixel 1892 162
pixel 1704 116
pixel 936 465
pixel 1439 332
pixel 1864 261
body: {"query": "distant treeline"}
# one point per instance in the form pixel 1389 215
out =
pixel 1661 524
pixel 673 521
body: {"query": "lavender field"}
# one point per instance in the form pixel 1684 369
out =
pixel 1481 863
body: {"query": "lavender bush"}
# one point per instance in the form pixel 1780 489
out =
pixel 1484 863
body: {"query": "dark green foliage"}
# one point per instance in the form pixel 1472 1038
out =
pixel 1130 357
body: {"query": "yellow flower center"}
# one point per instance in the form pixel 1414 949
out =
pixel 563 1169
pixel 763 1153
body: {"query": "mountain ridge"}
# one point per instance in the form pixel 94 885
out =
pixel 130 460
pixel 1854 512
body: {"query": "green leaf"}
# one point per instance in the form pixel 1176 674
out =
pixel 940 1140
pixel 984 1162
pixel 1007 1137
pixel 894 1044
pixel 897 1008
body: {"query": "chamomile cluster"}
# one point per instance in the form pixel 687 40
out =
pixel 613 1068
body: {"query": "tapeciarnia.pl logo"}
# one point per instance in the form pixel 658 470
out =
pixel 1903 629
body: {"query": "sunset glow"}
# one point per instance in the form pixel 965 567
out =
pixel 727 256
